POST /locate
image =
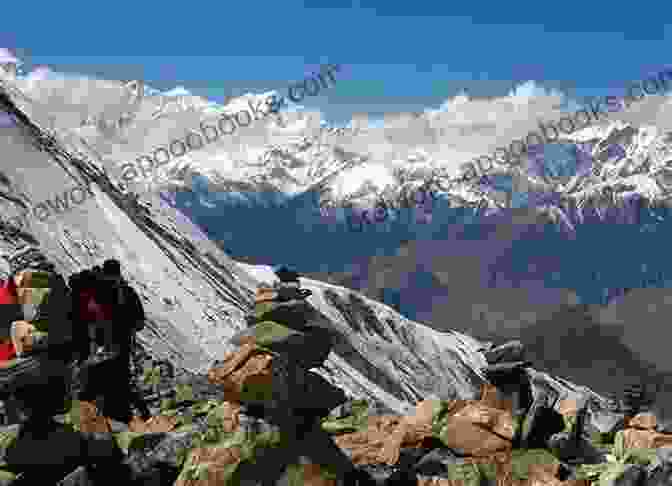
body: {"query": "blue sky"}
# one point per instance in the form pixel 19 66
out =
pixel 400 56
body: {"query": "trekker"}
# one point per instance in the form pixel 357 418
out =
pixel 287 325
pixel 126 317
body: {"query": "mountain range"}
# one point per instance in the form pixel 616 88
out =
pixel 562 278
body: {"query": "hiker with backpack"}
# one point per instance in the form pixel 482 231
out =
pixel 117 313
pixel 286 339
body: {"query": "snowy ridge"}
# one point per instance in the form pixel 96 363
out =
pixel 286 155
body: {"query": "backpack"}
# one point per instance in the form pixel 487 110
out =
pixel 89 310
pixel 51 300
pixel 128 299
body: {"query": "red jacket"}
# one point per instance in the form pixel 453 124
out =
pixel 7 351
pixel 8 296
pixel 90 310
pixel 8 292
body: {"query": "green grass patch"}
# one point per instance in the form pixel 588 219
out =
pixel 521 459
pixel 125 439
pixel 354 422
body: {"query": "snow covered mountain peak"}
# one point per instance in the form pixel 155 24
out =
pixel 294 152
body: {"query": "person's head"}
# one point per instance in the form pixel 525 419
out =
pixel 112 268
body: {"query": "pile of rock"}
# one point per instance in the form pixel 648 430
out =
pixel 643 432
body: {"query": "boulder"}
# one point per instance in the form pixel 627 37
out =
pixel 424 413
pixel 245 375
pixel 644 439
pixel 493 397
pixel 379 443
pixel 497 421
pixel 643 421
pixel 384 438
pixel 469 439
pixel 87 417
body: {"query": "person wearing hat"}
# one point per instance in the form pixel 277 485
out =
pixel 123 316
